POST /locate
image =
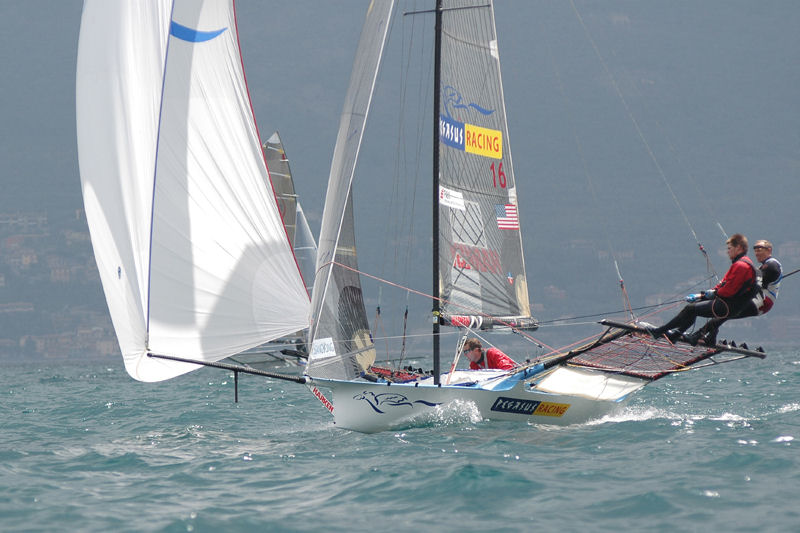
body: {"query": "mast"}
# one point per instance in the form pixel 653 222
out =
pixel 437 72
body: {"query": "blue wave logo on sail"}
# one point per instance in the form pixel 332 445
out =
pixel 464 136
pixel 389 399
pixel 452 98
pixel 185 33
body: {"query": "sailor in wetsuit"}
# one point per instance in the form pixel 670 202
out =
pixel 770 273
pixel 491 358
pixel 726 300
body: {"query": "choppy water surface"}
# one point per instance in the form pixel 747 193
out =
pixel 84 447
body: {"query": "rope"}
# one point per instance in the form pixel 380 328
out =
pixel 379 322
pixel 405 329
pixel 662 304
pixel 530 338
pixel 727 308
pixel 669 304
pixel 466 309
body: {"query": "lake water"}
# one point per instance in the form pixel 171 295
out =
pixel 86 448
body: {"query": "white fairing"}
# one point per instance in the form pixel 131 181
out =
pixel 590 384
pixel 188 239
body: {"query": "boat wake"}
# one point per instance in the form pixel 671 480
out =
pixel 789 408
pixel 457 412
pixel 648 413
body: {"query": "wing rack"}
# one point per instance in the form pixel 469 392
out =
pixel 636 353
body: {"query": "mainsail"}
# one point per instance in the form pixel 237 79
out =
pixel 282 182
pixel 294 219
pixel 480 270
pixel 190 245
pixel 305 248
pixel 481 265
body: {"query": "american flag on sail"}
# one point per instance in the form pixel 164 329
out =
pixel 507 217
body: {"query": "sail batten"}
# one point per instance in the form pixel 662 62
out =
pixel 193 255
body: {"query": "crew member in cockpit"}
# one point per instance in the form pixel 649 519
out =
pixel 491 358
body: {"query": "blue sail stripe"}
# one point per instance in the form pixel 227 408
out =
pixel 193 36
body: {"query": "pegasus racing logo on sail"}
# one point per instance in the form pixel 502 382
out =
pixel 464 136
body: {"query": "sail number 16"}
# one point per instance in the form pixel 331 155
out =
pixel 498 176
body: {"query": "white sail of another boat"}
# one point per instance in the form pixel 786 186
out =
pixel 294 218
pixel 290 350
pixel 192 251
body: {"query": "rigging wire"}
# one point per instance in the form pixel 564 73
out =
pixel 524 334
pixel 569 321
pixel 400 205
pixel 562 321
pixel 709 206
pixel 589 178
pixel 425 61
pixel 665 305
pixel 641 136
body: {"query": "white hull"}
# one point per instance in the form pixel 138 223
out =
pixel 371 407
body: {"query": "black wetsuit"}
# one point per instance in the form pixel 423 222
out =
pixel 770 272
pixel 728 302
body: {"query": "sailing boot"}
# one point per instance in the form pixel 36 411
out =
pixel 695 337
pixel 673 335
pixel 710 338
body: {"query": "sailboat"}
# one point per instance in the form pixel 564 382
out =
pixel 479 278
pixel 291 350
pixel 294 218
pixel 197 265
pixel 192 251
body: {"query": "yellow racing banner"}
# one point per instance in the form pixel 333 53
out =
pixel 483 141
pixel 551 409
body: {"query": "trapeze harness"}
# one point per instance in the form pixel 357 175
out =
pixel 749 291
pixel 767 292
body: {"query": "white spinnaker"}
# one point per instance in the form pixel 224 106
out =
pixel 121 54
pixel 189 242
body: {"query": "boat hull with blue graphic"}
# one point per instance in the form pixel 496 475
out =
pixel 561 396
